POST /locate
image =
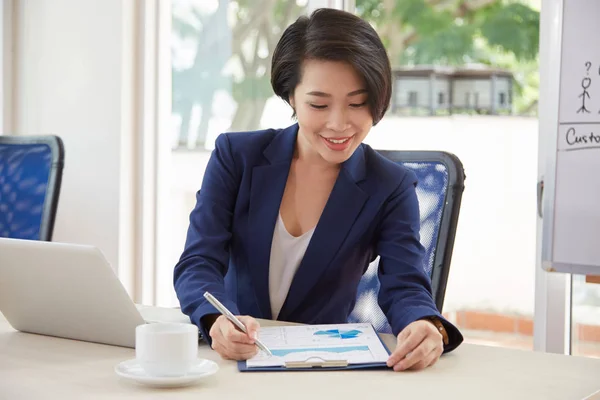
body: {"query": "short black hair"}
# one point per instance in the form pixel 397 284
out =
pixel 333 35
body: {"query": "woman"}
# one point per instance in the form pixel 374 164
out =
pixel 287 221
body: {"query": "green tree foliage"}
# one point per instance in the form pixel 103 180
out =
pixel 437 32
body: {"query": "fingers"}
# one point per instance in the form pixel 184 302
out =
pixel 252 326
pixel 420 345
pixel 234 335
pixel 230 336
pixel 223 352
pixel 435 356
pixel 233 352
pixel 428 361
pixel 423 356
pixel 231 343
pixel 408 340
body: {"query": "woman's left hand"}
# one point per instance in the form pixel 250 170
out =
pixel 420 345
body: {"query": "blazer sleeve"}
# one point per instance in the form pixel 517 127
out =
pixel 205 259
pixel 405 292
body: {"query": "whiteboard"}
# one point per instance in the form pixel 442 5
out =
pixel 572 211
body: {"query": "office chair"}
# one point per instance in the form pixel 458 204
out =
pixel 440 185
pixel 30 177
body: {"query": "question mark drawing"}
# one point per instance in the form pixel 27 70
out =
pixel 585 85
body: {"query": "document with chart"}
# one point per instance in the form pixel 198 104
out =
pixel 342 345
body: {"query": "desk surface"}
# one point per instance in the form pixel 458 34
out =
pixel 38 367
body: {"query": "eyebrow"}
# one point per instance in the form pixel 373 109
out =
pixel 323 94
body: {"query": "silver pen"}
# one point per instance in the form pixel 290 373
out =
pixel 228 314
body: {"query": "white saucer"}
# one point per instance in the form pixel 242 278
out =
pixel 132 371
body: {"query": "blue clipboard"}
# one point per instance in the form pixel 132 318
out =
pixel 317 364
pixel 311 367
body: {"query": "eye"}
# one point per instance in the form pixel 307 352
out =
pixel 358 105
pixel 318 107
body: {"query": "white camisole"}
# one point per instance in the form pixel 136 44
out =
pixel 287 252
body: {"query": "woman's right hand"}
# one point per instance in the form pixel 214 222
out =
pixel 230 342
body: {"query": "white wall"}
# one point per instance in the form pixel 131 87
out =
pixel 6 65
pixel 74 78
pixel 464 86
pixel 405 85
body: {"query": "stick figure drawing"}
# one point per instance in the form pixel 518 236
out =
pixel 585 84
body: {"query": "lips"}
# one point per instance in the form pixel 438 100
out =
pixel 338 140
pixel 337 143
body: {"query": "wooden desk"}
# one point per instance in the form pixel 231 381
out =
pixel 39 367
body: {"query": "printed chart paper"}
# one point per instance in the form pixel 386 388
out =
pixel 354 343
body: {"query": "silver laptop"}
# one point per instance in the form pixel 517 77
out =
pixel 70 291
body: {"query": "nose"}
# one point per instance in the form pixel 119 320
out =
pixel 338 120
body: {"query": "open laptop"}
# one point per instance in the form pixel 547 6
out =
pixel 70 291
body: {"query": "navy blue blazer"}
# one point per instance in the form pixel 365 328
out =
pixel 372 211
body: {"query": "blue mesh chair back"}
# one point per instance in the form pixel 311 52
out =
pixel 440 185
pixel 30 176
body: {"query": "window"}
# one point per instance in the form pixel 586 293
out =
pixel 502 99
pixel 499 308
pixel 221 53
pixel 441 98
pixel 220 58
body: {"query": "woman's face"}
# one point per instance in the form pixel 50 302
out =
pixel 332 110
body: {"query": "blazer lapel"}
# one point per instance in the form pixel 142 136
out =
pixel 341 211
pixel 268 185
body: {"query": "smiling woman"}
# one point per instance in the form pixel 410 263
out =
pixel 287 220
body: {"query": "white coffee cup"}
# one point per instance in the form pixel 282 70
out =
pixel 166 349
